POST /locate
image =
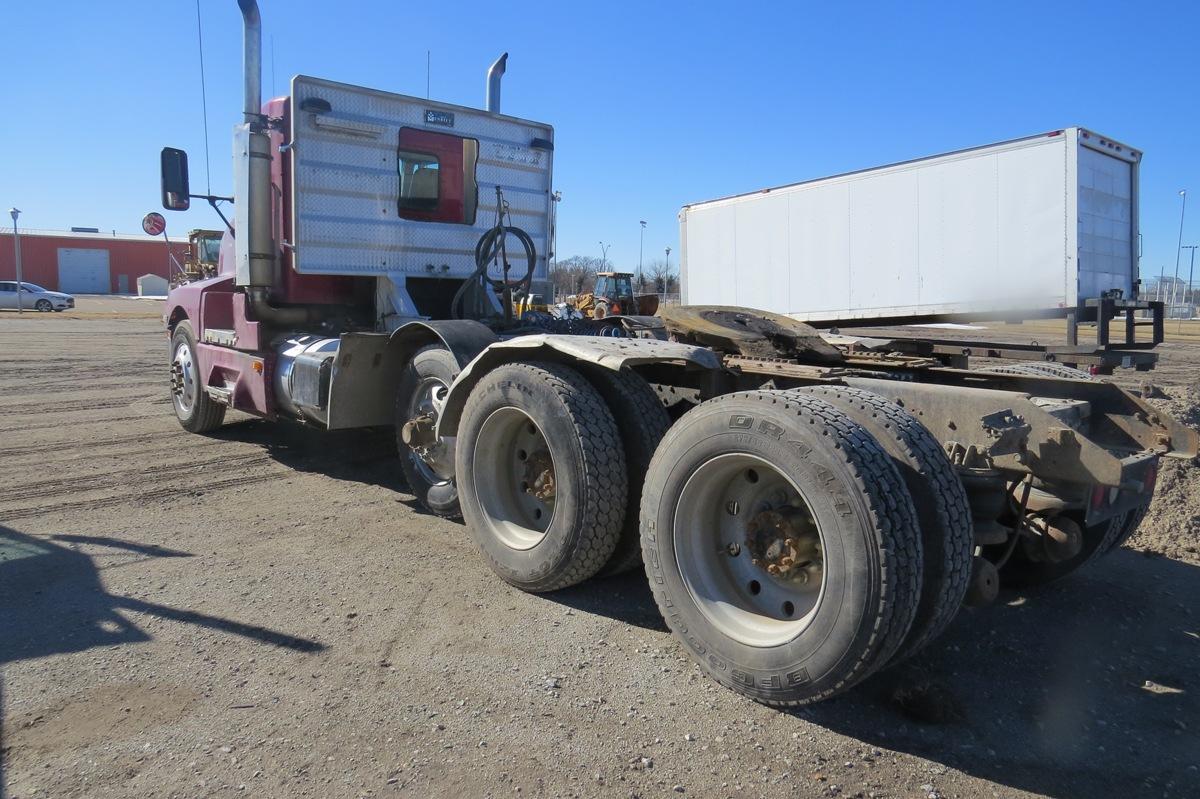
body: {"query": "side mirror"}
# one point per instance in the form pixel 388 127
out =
pixel 176 193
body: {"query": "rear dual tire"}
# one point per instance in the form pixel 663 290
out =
pixel 1024 571
pixel 767 635
pixel 423 384
pixel 541 475
pixel 943 512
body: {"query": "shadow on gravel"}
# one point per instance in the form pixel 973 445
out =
pixel 150 550
pixel 626 598
pixel 1084 688
pixel 52 601
pixel 360 456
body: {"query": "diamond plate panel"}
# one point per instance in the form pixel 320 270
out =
pixel 345 182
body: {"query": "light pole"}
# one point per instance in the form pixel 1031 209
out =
pixel 14 213
pixel 1188 299
pixel 604 256
pixel 1179 247
pixel 667 276
pixel 555 199
pixel 641 244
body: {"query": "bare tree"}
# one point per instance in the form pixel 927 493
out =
pixel 663 277
pixel 575 275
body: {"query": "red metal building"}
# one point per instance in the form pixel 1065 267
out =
pixel 87 263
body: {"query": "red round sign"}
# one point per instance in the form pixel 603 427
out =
pixel 154 224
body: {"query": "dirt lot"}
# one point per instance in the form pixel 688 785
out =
pixel 263 612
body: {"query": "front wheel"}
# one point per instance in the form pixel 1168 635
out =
pixel 196 411
pixel 782 545
pixel 43 306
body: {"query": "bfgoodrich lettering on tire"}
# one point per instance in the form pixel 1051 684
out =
pixel 781 545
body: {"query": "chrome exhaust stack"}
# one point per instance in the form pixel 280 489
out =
pixel 254 245
pixel 251 61
pixel 495 73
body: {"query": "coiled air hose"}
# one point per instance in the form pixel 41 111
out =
pixel 490 248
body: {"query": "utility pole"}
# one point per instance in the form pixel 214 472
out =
pixel 1178 248
pixel 641 244
pixel 14 213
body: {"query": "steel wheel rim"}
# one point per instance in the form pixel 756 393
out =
pixel 437 468
pixel 722 503
pixel 511 447
pixel 183 380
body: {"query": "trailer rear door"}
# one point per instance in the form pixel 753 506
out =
pixel 1106 223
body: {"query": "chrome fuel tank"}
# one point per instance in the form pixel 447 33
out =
pixel 303 370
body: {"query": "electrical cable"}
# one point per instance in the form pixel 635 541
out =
pixel 203 100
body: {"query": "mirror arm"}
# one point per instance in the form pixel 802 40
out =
pixel 213 202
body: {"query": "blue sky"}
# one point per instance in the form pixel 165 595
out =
pixel 654 104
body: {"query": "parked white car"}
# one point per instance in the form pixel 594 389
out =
pixel 33 297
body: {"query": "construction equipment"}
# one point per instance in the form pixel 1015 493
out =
pixel 808 509
pixel 613 294
pixel 204 249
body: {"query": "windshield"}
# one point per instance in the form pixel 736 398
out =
pixel 32 287
pixel 210 250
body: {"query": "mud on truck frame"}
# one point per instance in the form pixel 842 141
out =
pixel 807 508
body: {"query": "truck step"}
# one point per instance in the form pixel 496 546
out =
pixel 220 394
pixel 224 338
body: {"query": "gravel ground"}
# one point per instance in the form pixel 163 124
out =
pixel 263 612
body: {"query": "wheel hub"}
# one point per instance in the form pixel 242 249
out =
pixel 785 544
pixel 183 379
pixel 433 456
pixel 539 476
pixel 749 549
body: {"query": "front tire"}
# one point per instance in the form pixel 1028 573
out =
pixel 195 410
pixel 43 306
pixel 422 388
pixel 541 475
pixel 782 545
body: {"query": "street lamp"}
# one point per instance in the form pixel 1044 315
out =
pixel 1179 247
pixel 641 242
pixel 14 213
pixel 557 198
pixel 668 259
pixel 604 256
pixel 1188 298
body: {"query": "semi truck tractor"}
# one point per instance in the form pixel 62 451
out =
pixel 806 510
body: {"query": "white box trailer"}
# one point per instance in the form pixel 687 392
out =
pixel 1033 226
